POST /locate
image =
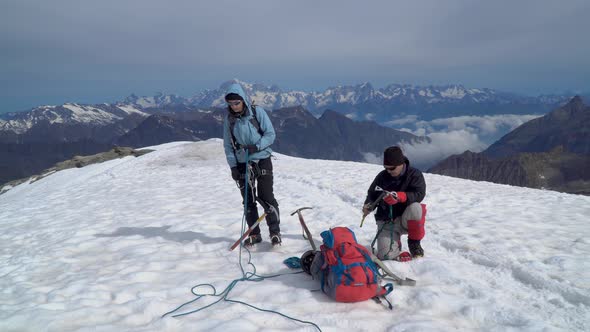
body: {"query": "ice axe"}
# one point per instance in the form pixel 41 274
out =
pixel 371 206
pixel 268 209
pixel 304 226
pixel 246 233
pixel 390 275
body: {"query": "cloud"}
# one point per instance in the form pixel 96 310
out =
pixel 488 125
pixel 181 46
pixel 442 145
pixel 456 135
pixel 372 158
pixel 408 119
pixel 431 33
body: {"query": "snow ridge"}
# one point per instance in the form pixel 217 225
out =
pixel 109 261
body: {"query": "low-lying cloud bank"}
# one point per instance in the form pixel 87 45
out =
pixel 454 135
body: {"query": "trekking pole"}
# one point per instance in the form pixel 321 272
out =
pixel 372 205
pixel 304 226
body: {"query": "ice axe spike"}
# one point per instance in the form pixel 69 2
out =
pixel 304 226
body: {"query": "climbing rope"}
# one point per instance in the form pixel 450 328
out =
pixel 246 276
pixel 391 242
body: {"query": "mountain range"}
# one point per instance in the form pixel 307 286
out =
pixel 42 142
pixel 299 133
pixel 364 102
pixel 360 102
pixel 342 123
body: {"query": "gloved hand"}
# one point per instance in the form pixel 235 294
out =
pixel 235 173
pixel 401 196
pixel 391 198
pixel 252 148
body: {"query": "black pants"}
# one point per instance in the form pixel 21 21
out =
pixel 260 187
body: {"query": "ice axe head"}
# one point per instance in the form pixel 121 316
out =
pixel 300 209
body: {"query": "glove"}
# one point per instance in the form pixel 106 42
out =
pixel 252 148
pixel 401 196
pixel 391 199
pixel 235 173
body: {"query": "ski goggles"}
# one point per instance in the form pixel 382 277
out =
pixel 234 103
pixel 391 168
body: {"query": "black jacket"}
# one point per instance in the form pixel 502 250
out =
pixel 411 181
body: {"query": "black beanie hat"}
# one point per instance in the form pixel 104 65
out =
pixel 233 96
pixel 393 156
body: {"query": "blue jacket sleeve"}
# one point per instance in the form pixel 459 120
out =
pixel 229 150
pixel 269 132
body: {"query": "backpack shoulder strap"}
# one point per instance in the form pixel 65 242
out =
pixel 232 124
pixel 253 120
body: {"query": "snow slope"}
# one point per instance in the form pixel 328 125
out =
pixel 114 246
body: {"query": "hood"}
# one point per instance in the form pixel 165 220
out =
pixel 237 89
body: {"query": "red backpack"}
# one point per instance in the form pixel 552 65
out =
pixel 348 273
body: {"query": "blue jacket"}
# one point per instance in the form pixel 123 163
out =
pixel 245 132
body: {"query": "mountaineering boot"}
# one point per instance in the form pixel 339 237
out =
pixel 252 240
pixel 415 248
pixel 275 239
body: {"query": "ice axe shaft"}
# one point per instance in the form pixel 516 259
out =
pixel 304 226
pixel 246 233
pixel 391 275
pixel 267 209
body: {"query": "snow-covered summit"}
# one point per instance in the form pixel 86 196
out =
pixel 273 97
pixel 360 101
pixel 67 114
pixel 158 100
pixel 114 246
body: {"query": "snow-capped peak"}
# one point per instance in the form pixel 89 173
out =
pixel 68 113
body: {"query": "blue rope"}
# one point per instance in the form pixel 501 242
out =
pixel 246 276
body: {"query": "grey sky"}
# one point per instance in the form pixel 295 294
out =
pixel 100 51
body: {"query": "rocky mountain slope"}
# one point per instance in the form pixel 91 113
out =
pixel 567 126
pixel 299 133
pixel 551 152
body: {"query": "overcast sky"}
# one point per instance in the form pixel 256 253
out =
pixel 59 51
